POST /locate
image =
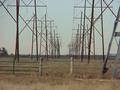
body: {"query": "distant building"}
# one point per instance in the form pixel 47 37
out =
pixel 3 52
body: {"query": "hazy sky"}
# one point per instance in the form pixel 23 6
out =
pixel 59 10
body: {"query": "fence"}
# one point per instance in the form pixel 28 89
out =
pixel 52 67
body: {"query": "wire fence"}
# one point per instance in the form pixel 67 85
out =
pixel 53 67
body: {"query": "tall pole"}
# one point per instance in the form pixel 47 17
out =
pixel 58 47
pixel 40 52
pixel 94 42
pixel 32 39
pixel 51 38
pixel 102 31
pixel 46 48
pixel 87 34
pixel 91 28
pixel 85 43
pixel 80 30
pixel 17 31
pixel 54 44
pixel 82 51
pixel 77 42
pixel 36 30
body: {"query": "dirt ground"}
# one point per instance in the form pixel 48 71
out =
pixel 33 82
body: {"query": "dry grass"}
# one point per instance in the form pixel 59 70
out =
pixel 56 76
pixel 12 82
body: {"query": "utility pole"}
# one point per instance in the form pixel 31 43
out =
pixel 91 28
pixel 85 43
pixel 17 31
pixel 102 30
pixel 32 38
pixel 58 47
pixel 82 51
pixel 94 43
pixel 46 48
pixel 36 30
pixel 54 44
pixel 51 39
pixel 80 31
pixel 77 42
pixel 40 52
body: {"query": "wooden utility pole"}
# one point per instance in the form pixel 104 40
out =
pixel 40 52
pixel 46 48
pixel 17 31
pixel 32 38
pixel 17 35
pixel 51 40
pixel 91 28
pixel 94 43
pixel 36 30
pixel 58 47
pixel 77 42
pixel 54 44
pixel 85 43
pixel 82 51
pixel 80 31
pixel 102 30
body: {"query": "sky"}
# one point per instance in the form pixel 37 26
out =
pixel 59 10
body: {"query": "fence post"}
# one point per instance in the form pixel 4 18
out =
pixel 40 66
pixel 13 66
pixel 71 65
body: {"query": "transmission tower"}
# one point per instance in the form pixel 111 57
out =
pixel 89 20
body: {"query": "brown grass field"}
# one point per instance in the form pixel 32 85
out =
pixel 56 75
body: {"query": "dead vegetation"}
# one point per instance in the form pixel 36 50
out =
pixel 32 82
pixel 56 76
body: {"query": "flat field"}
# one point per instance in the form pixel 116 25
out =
pixel 55 75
